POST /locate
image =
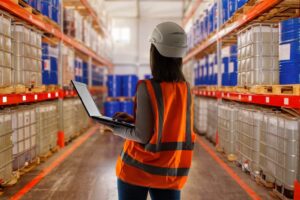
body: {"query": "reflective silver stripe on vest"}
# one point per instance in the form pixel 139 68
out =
pixel 162 171
pixel 169 146
pixel 188 131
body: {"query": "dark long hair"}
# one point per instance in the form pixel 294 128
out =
pixel 165 69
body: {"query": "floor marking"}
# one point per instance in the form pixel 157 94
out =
pixel 54 164
pixel 233 175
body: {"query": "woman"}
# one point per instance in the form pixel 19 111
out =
pixel 157 154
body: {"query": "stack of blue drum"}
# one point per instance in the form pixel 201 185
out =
pixel 289 51
pixel 112 107
pixel 124 85
pixel 49 64
pixel 85 72
pixel 49 8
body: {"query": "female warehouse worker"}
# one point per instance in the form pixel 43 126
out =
pixel 157 154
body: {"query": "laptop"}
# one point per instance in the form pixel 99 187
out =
pixel 93 111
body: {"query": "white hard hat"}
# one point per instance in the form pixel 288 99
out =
pixel 169 39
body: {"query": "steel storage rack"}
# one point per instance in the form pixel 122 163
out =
pixel 32 120
pixel 261 67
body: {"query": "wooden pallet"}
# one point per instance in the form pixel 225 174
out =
pixel 276 89
pixel 280 196
pixel 52 88
pixel 54 149
pixel 36 89
pixel 265 183
pixel 119 98
pixel 45 156
pixel 7 90
pixel 13 180
pixel 33 164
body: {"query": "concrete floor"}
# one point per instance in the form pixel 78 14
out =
pixel 89 174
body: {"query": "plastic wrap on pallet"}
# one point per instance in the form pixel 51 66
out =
pixel 47 126
pixel 227 128
pixel 289 51
pixel 5 50
pixel 5 145
pixel 258 55
pixel 279 150
pixel 97 76
pixel 24 136
pixel 200 114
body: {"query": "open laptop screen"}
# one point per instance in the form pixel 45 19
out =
pixel 87 99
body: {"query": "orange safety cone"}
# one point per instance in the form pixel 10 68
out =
pixel 61 139
pixel 297 191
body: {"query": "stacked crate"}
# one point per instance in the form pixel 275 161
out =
pixel 258 55
pixel 5 146
pixel 47 126
pixel 5 50
pixel 24 136
pixel 248 139
pixel 27 55
pixel 227 129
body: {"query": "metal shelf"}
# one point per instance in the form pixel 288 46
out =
pixel 290 101
pixel 253 13
pixel 33 19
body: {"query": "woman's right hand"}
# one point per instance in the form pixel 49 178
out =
pixel 124 117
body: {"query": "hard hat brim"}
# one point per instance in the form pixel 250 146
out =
pixel 168 51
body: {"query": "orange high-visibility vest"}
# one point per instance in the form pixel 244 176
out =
pixel 165 161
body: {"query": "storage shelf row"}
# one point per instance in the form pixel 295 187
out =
pixel 48 28
pixel 15 99
pixel 289 101
pixel 257 10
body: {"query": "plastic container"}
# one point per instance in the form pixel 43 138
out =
pixel 127 106
pixel 114 85
pixel 111 107
pixel 46 8
pixel 128 84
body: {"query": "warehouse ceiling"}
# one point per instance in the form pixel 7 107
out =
pixel 144 8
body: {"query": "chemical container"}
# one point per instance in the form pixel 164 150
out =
pixel 279 151
pixel 5 50
pixel 227 129
pixel 46 8
pixel 68 117
pixel 114 85
pixel 225 66
pixel 111 107
pixel 6 156
pixel 258 55
pixel 50 64
pixel 47 126
pixel 289 51
pixel 128 85
pixel 127 106
pixel 200 114
pixel 24 136
pixel 97 76
pixel 212 119
pixel 249 124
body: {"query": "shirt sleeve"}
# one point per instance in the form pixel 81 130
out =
pixel 144 124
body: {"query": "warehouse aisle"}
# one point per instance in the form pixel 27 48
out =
pixel 88 173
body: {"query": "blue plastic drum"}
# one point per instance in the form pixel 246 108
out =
pixel 129 83
pixel 289 51
pixel 127 106
pixel 111 107
pixel 114 85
